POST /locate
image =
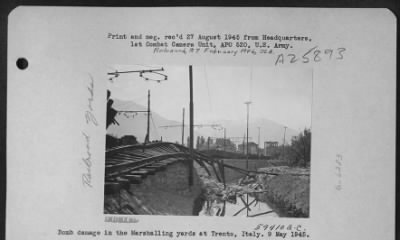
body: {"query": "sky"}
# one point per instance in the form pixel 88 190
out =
pixel 283 95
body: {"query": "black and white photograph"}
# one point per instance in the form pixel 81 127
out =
pixel 201 123
pixel 224 141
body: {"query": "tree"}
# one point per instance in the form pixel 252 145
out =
pixel 111 112
pixel 128 140
pixel 299 151
pixel 113 141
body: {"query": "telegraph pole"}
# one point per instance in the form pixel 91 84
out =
pixel 191 126
pixel 283 148
pixel 247 151
pixel 148 118
pixel 183 126
pixel 247 136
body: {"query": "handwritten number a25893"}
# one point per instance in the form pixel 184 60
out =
pixel 312 55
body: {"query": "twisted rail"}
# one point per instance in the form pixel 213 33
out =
pixel 131 163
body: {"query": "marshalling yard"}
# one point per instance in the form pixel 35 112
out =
pixel 164 178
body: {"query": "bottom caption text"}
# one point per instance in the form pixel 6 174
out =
pixel 261 231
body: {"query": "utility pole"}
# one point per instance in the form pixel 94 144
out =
pixel 247 152
pixel 283 148
pixel 191 126
pixel 247 136
pixel 258 147
pixel 183 126
pixel 148 118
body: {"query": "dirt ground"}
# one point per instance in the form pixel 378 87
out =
pixel 288 192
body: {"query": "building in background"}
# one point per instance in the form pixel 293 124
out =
pixel 253 148
pixel 220 144
pixel 271 148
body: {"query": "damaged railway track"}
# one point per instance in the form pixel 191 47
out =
pixel 143 173
pixel 131 163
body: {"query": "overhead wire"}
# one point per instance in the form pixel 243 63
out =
pixel 155 127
